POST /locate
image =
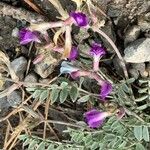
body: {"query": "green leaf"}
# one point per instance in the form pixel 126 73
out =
pixel 109 137
pixel 37 93
pixel 63 84
pixel 41 146
pixel 23 137
pixel 139 146
pixel 84 99
pixel 145 134
pixel 74 93
pixel 141 98
pixel 63 95
pixel 138 133
pixel 94 146
pixel 50 147
pixel 44 95
pixel 123 144
pixel 144 90
pixel 142 107
pixel 60 147
pixel 32 145
pixel 26 142
pixel 81 81
pixel 131 80
pixel 54 95
pixel 88 139
pixel 126 88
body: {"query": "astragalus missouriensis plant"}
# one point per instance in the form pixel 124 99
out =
pixel 113 118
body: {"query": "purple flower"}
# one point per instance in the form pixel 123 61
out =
pixel 106 89
pixel 95 118
pixel 26 36
pixel 97 51
pixel 80 19
pixel 73 54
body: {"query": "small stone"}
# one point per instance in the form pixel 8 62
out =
pixel 114 11
pixel 44 81
pixel 15 32
pixel 3 104
pixel 117 66
pixel 144 22
pixel 140 68
pixel 132 34
pixel 134 73
pixel 19 65
pixel 14 98
pixel 57 115
pixel 45 67
pixel 109 30
pixel 31 78
pixel 138 51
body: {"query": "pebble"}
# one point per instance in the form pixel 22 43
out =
pixel 45 67
pixel 19 65
pixel 138 51
pixel 144 22
pixel 137 69
pixel 3 104
pixel 132 34
pixel 15 32
pixel 31 78
pixel 109 30
pixel 14 98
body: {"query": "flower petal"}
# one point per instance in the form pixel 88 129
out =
pixel 67 67
pixel 26 36
pixel 106 89
pixel 80 18
pixel 95 118
pixel 73 54
pixel 97 50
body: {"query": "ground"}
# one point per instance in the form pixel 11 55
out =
pixel 124 21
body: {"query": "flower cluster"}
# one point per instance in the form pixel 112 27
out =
pixel 94 117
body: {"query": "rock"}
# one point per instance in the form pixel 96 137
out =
pixel 59 116
pixel 114 11
pixel 46 67
pixel 19 65
pixel 3 104
pixel 138 51
pixel 15 32
pixel 109 30
pixel 31 78
pixel 132 34
pixel 144 22
pixel 117 66
pixel 14 98
pixel 134 73
pixel 137 69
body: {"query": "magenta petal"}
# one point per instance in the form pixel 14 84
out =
pixel 97 50
pixel 106 89
pixel 80 18
pixel 95 118
pixel 26 36
pixel 73 53
pixel 75 74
